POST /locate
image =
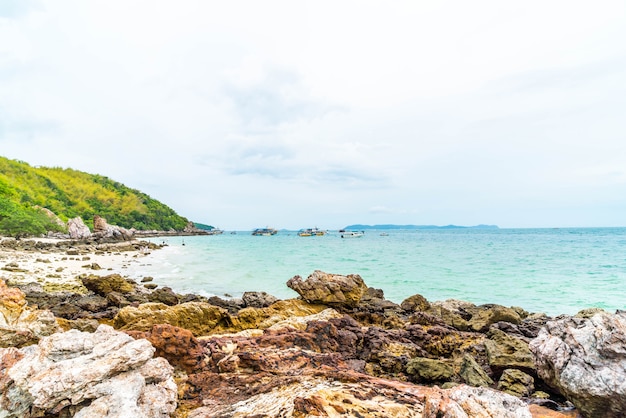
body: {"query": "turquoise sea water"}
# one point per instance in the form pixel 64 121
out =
pixel 542 270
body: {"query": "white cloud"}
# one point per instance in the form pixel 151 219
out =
pixel 252 113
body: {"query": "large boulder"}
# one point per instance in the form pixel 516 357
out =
pixel 77 229
pixel 585 359
pixel 102 229
pixel 102 374
pixel 19 324
pixel 330 289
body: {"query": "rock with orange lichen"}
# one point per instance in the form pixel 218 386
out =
pixel 198 317
pixel 19 324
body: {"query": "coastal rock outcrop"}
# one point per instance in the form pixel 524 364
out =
pixel 102 374
pixel 102 229
pixel 329 289
pixel 77 229
pixel 364 396
pixel 585 359
pixel 198 317
pixel 19 324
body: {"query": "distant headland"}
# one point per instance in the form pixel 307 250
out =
pixel 392 226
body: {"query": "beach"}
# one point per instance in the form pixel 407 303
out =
pixel 58 264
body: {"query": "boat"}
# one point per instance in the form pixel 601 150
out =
pixel 350 234
pixel 266 232
pixel 311 232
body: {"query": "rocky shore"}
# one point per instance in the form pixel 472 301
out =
pixel 86 341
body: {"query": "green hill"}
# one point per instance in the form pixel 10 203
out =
pixel 70 193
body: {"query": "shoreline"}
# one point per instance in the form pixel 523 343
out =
pixel 339 337
pixel 57 264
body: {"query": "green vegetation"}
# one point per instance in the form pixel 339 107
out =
pixel 203 226
pixel 70 193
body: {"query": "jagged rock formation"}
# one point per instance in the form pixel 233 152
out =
pixel 351 353
pixel 330 289
pixel 19 324
pixel 101 229
pixel 77 229
pixel 585 359
pixel 100 374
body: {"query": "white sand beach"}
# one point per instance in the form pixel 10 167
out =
pixel 60 268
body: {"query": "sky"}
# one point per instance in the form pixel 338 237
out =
pixel 246 114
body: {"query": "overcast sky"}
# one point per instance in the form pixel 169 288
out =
pixel 244 114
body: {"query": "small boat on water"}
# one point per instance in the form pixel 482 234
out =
pixel 350 234
pixel 265 232
pixel 311 232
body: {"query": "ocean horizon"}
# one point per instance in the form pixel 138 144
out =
pixel 550 270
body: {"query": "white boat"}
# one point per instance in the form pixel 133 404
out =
pixel 350 234
pixel 266 232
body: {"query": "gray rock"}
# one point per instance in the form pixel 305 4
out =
pixel 258 299
pixel 585 359
pixel 77 229
pixel 102 374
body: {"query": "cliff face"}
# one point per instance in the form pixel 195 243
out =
pixel 31 198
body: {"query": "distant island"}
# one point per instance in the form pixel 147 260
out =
pixel 391 226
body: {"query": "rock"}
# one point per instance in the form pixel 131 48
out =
pixel 430 370
pixel 20 325
pixel 487 315
pixel 507 352
pixel 301 322
pixel 415 303
pixel 77 229
pixel 330 289
pixel 449 317
pixel 369 397
pixel 258 299
pixel 472 374
pixel 100 374
pixel 198 317
pixel 51 215
pixel 177 345
pixel 102 285
pixel 585 359
pixel 231 305
pixel 101 229
pixel 164 295
pixel 263 318
pixel 82 324
pixel 516 383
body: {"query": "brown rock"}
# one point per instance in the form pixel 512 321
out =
pixel 102 285
pixel 198 317
pixel 330 289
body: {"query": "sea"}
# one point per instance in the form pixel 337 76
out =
pixel 554 271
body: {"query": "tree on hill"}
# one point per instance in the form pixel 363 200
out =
pixel 70 193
